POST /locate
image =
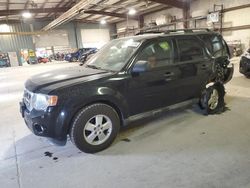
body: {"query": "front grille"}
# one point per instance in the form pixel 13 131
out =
pixel 27 97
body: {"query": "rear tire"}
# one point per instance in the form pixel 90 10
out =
pixel 95 128
pixel 212 100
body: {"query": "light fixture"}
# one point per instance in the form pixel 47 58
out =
pixel 103 22
pixel 27 15
pixel 4 28
pixel 132 11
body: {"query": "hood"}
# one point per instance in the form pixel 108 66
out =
pixel 63 77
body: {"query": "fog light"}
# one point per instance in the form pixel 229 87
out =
pixel 39 129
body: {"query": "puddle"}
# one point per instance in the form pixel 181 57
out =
pixel 126 140
pixel 48 154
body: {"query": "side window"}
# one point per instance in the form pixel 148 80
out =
pixel 190 49
pixel 157 54
pixel 215 45
pixel 225 51
pixel 207 40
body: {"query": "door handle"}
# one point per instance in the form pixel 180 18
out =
pixel 168 74
pixel 204 66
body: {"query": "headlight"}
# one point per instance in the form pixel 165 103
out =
pixel 42 102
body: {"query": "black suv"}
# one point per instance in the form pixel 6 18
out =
pixel 127 78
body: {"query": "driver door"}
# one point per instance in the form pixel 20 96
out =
pixel 155 87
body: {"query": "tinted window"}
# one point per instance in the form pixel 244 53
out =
pixel 215 45
pixel 208 42
pixel 157 54
pixel 190 49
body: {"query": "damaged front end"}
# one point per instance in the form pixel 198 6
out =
pixel 222 70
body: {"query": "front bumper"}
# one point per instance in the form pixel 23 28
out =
pixel 43 123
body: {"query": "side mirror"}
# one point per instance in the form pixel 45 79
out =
pixel 140 66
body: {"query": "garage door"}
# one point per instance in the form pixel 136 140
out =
pixel 94 37
pixel 53 38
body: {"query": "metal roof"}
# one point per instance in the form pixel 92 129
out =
pixel 111 10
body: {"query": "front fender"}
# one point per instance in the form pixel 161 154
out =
pixel 75 102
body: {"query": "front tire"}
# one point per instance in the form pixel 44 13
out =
pixel 95 128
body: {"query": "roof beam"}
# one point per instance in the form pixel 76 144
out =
pixel 155 9
pixel 43 5
pixel 86 21
pixel 236 8
pixel 69 14
pixel 142 11
pixel 26 4
pixel 21 33
pixel 37 10
pixel 57 6
pixel 173 3
pixel 26 21
pixel 8 5
pixel 103 9
pixel 109 14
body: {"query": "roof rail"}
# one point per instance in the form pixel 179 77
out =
pixel 149 32
pixel 188 30
pixel 175 31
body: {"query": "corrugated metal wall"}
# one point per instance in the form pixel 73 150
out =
pixel 74 30
pixel 14 43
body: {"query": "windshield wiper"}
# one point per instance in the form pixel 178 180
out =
pixel 99 68
pixel 93 67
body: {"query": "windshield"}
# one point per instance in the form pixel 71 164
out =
pixel 114 55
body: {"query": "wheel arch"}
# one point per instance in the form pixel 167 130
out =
pixel 121 112
pixel 76 100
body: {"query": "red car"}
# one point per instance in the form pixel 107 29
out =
pixel 43 60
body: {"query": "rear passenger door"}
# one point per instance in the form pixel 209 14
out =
pixel 194 64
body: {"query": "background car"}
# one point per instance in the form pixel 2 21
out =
pixel 3 63
pixel 4 60
pixel 245 64
pixel 43 60
pixel 73 57
pixel 87 54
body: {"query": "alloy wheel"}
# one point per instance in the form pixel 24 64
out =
pixel 214 100
pixel 97 129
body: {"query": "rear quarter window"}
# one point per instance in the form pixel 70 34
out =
pixel 215 45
